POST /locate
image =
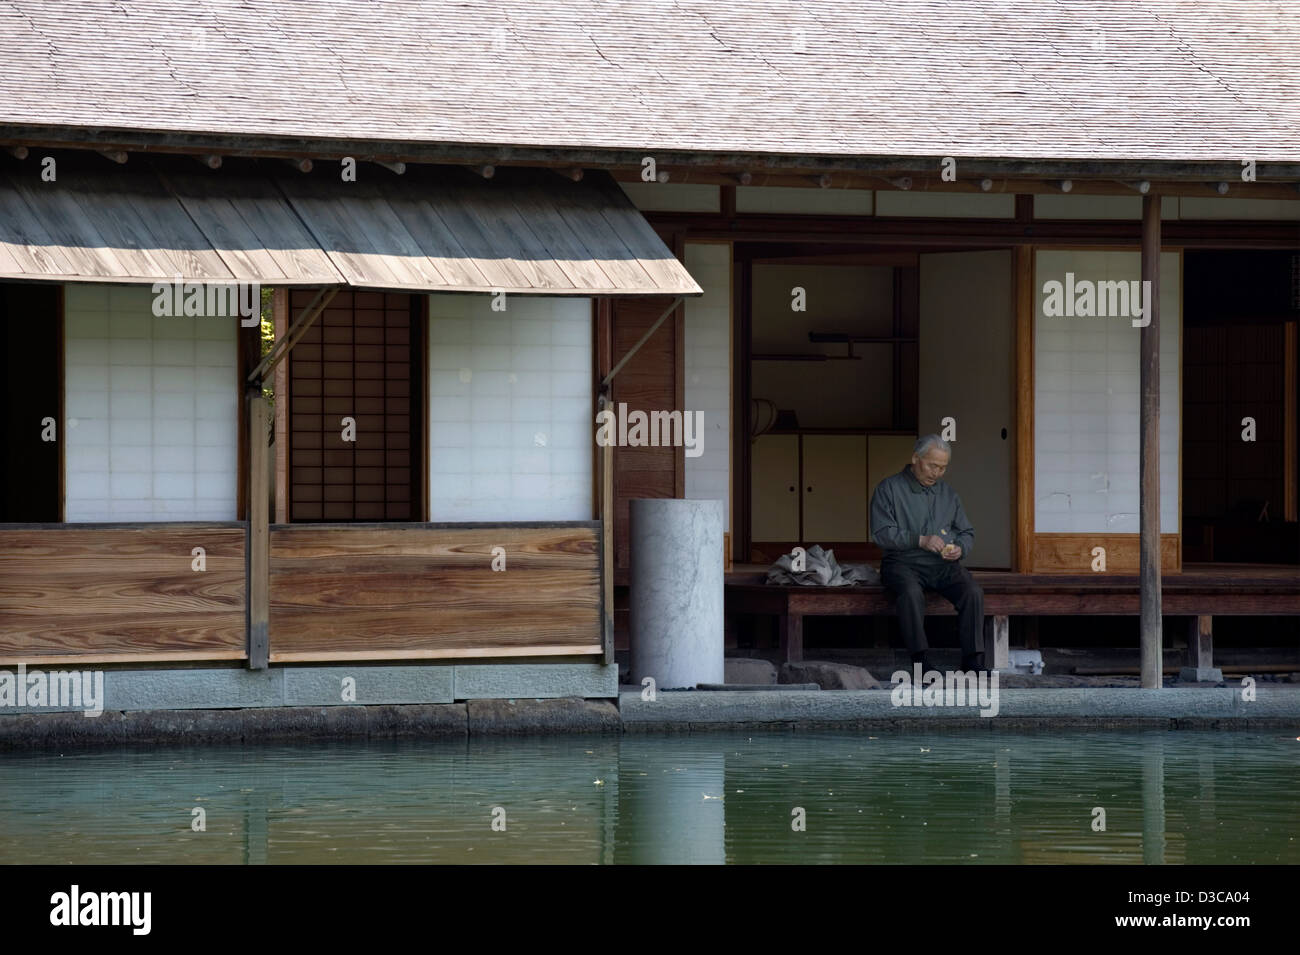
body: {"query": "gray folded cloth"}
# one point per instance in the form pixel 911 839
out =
pixel 821 570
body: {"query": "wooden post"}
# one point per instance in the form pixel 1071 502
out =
pixel 1023 276
pixel 997 654
pixel 258 596
pixel 1031 632
pixel 1200 643
pixel 791 635
pixel 280 317
pixel 1200 653
pixel 607 541
pixel 1149 452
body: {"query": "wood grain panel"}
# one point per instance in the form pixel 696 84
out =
pixel 646 383
pixel 421 591
pixel 1072 553
pixel 100 594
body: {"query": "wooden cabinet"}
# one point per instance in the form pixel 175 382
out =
pixel 834 488
pixel 810 488
pixel 775 488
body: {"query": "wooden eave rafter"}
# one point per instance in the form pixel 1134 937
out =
pixel 719 167
pixel 306 318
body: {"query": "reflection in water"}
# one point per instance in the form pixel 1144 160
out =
pixel 673 798
pixel 977 797
pixel 1153 800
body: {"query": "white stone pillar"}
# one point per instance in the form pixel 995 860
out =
pixel 675 592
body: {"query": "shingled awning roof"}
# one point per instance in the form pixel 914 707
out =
pixel 1175 80
pixel 444 230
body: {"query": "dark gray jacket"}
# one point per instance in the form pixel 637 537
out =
pixel 903 509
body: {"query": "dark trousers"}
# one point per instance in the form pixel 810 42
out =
pixel 954 583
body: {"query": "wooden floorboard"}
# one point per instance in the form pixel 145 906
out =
pixel 1263 590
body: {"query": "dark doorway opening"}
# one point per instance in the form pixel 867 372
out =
pixel 31 487
pixel 1239 406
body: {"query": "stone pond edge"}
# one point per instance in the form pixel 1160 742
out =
pixel 669 712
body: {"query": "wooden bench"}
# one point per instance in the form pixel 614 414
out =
pixel 1200 595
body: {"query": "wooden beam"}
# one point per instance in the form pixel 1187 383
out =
pixel 742 393
pixel 280 318
pixel 211 160
pixel 604 475
pixel 902 232
pixel 270 145
pixel 301 165
pixel 250 348
pixel 679 368
pixel 607 542
pixel 81 659
pixel 18 152
pixel 62 332
pixel 1149 450
pixel 643 339
pixel 420 441
pixel 118 156
pixel 439 653
pixel 259 536
pixel 309 315
pixel 926 183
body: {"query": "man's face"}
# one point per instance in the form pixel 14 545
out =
pixel 929 467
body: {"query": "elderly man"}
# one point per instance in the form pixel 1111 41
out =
pixel 918 521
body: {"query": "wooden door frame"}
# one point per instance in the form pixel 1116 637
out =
pixel 742 391
pixel 742 273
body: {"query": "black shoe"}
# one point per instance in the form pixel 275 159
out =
pixel 973 662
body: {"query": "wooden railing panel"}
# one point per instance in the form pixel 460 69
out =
pixel 121 593
pixel 1072 553
pixel 411 591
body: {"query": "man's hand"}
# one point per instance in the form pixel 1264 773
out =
pixel 951 552
pixel 932 542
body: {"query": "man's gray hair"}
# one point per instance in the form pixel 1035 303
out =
pixel 931 441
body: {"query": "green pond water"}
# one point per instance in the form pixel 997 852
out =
pixel 969 798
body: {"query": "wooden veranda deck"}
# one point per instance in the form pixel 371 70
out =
pixel 1202 591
